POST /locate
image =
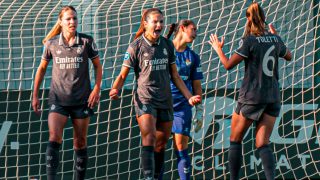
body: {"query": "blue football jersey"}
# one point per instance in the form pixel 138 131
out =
pixel 189 69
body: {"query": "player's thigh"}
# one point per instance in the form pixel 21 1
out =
pixel 147 124
pixel 180 142
pixel 57 119
pixel 239 126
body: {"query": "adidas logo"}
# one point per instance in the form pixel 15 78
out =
pixel 58 51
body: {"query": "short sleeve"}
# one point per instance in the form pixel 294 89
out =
pixel 244 47
pixel 196 71
pixel 171 55
pixel 282 48
pixel 46 54
pixel 93 51
pixel 130 58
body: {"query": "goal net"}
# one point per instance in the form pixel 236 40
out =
pixel 113 137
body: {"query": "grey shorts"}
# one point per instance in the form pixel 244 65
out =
pixel 75 112
pixel 254 111
pixel 162 115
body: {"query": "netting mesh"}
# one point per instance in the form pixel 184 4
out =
pixel 113 137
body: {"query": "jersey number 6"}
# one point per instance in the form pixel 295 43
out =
pixel 266 59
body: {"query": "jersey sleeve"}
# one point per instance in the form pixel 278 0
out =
pixel 46 54
pixel 130 58
pixel 244 47
pixel 171 55
pixel 282 48
pixel 93 51
pixel 196 71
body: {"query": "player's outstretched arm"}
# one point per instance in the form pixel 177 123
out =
pixel 118 83
pixel 95 94
pixel 37 82
pixel 217 46
pixel 288 55
pixel 178 82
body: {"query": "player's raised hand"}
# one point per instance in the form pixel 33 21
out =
pixel 195 100
pixel 114 94
pixel 272 29
pixel 215 42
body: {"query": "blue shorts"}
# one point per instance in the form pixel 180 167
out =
pixel 182 120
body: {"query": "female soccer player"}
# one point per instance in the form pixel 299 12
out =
pixel 70 92
pixel 259 95
pixel 153 60
pixel 189 68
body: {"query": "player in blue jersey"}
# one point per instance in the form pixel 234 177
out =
pixel 152 58
pixel 259 95
pixel 189 68
pixel 70 91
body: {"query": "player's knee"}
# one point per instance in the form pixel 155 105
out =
pixel 261 143
pixel 55 137
pixel 149 138
pixel 79 142
pixel 235 138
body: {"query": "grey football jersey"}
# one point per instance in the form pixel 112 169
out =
pixel 151 64
pixel 70 84
pixel 261 54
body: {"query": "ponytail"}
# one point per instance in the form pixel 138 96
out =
pixel 256 20
pixel 57 28
pixel 144 17
pixel 172 29
pixel 175 27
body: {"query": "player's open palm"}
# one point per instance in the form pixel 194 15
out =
pixel 215 42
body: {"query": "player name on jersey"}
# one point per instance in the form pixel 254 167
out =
pixel 267 39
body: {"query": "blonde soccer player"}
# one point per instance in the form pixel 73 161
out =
pixel 70 91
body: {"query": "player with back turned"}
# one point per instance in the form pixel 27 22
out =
pixel 259 95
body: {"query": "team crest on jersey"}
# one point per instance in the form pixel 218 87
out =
pixel 188 62
pixel 165 51
pixel 53 107
pixel 58 51
pixel 126 56
pixel 146 54
pixel 79 50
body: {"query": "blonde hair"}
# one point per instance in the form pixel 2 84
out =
pixel 256 20
pixel 57 28
pixel 144 17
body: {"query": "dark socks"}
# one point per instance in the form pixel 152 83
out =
pixel 235 157
pixel 159 165
pixel 81 163
pixel 268 161
pixel 147 161
pixel 183 162
pixel 52 159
